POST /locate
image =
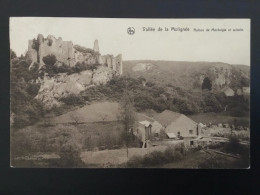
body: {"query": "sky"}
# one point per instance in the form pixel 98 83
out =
pixel 231 47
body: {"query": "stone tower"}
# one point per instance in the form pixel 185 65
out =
pixel 96 47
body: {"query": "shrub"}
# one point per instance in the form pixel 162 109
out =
pixel 233 146
pixel 214 162
pixel 70 155
pixel 82 66
pixel 85 50
pixel 73 100
pixel 171 154
pixel 32 89
pixel 49 60
pixel 12 54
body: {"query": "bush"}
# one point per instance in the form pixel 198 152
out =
pixel 73 100
pixel 12 54
pixel 215 162
pixel 85 50
pixel 81 67
pixel 49 60
pixel 70 155
pixel 233 146
pixel 66 141
pixel 171 154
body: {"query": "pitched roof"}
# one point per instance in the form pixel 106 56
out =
pixel 145 123
pixel 171 135
pixel 167 117
pixel 143 117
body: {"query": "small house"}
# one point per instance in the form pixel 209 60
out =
pixel 144 130
pixel 178 124
pixel 156 126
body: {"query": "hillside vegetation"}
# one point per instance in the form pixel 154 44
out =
pixel 186 74
pixel 151 89
pixel 158 98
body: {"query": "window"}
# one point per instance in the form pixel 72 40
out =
pixel 191 131
pixel 179 134
pixel 191 143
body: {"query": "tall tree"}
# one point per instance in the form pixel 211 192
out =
pixel 127 114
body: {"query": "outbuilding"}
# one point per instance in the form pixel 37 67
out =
pixel 178 124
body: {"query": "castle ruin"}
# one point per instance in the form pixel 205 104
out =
pixel 68 53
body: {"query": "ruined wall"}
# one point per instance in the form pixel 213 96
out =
pixel 114 63
pixel 32 53
pixel 63 50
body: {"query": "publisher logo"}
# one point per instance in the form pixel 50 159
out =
pixel 131 30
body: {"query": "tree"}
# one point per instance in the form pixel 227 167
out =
pixel 127 114
pixel 103 117
pixel 76 118
pixel 206 84
pixel 12 54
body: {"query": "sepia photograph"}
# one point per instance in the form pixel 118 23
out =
pixel 129 93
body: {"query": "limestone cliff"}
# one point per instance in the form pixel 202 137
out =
pixel 52 89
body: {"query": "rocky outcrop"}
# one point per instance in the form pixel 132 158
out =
pixel 102 75
pixel 52 89
pixel 55 87
pixel 222 77
pixel 61 85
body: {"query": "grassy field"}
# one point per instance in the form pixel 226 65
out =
pixel 113 158
pixel 101 111
pixel 192 161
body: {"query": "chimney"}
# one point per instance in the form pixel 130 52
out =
pixel 96 47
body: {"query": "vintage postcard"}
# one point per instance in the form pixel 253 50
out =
pixel 129 93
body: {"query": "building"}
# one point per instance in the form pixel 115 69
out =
pixel 171 135
pixel 177 124
pixel 156 126
pixel 143 131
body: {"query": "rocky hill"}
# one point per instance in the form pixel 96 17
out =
pixel 190 75
pixel 66 69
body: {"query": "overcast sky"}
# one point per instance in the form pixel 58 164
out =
pixel 230 47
